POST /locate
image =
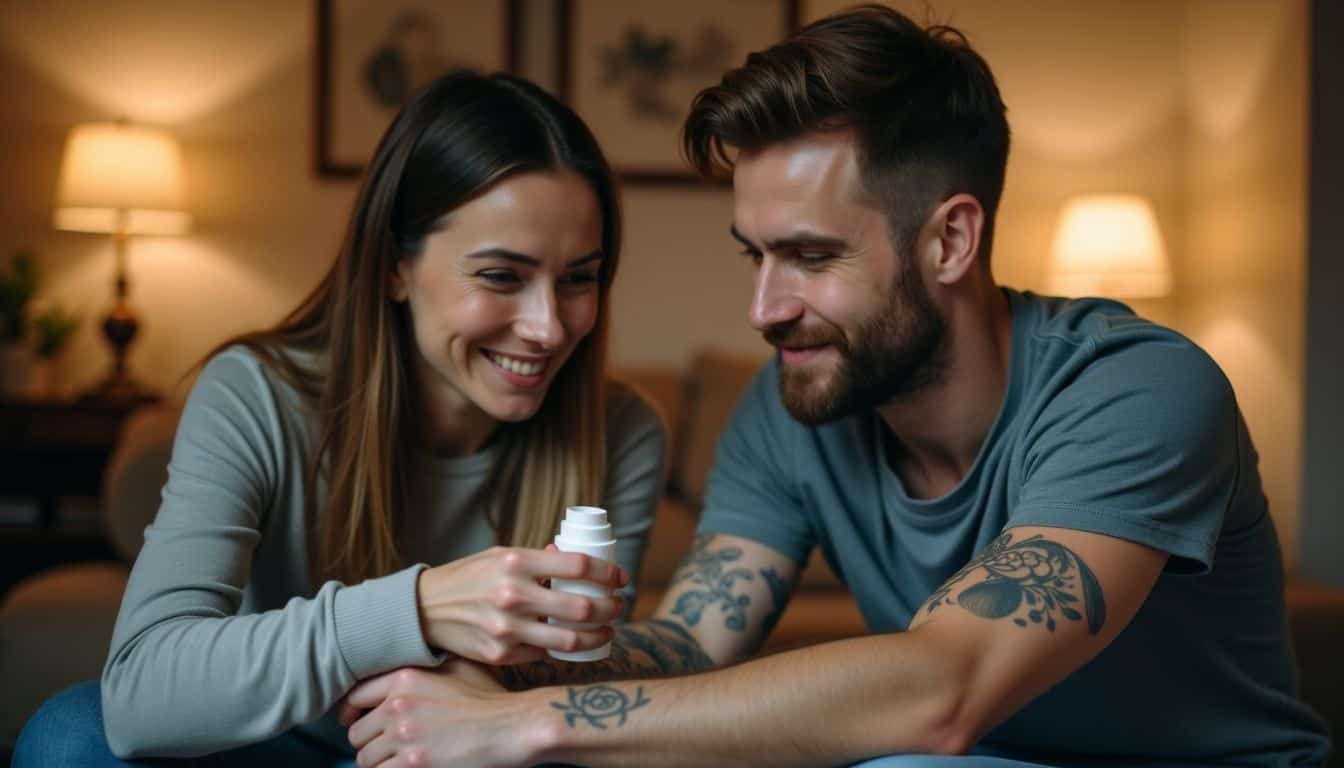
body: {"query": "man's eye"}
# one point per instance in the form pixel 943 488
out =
pixel 500 276
pixel 814 257
pixel 753 254
pixel 581 278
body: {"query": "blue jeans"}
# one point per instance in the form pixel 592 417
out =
pixel 68 730
pixel 937 761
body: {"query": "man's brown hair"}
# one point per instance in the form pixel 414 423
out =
pixel 926 112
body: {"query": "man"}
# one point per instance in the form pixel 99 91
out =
pixel 1048 511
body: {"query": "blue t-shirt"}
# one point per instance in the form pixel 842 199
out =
pixel 1110 424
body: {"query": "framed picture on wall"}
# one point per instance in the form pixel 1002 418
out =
pixel 373 54
pixel 631 67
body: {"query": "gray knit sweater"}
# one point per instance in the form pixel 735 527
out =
pixel 221 640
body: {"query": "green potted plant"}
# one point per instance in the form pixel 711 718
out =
pixel 52 328
pixel 28 344
pixel 17 286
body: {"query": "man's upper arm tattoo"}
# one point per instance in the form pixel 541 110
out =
pixel 712 575
pixel 1030 581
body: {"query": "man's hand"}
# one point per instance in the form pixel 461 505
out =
pixel 455 715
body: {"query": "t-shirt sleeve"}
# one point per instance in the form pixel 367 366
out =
pixel 751 491
pixel 1142 445
pixel 186 674
pixel 637 447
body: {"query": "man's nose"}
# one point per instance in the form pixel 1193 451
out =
pixel 775 298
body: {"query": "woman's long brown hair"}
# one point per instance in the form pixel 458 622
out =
pixel 348 348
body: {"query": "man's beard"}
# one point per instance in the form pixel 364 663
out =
pixel 900 351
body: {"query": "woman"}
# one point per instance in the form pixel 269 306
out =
pixel 441 391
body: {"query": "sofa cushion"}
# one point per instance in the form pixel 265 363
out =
pixel 55 630
pixel 135 475
pixel 714 383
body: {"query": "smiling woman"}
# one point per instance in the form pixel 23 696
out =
pixel 440 392
pixel 505 289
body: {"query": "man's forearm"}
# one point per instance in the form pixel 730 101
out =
pixel 650 648
pixel 825 705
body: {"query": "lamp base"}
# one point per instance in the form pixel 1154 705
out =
pixel 118 387
pixel 119 327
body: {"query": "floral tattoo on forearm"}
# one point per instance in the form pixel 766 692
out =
pixel 599 705
pixel 1033 581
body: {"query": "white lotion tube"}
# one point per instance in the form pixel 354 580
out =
pixel 585 530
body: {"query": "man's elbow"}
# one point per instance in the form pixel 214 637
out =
pixel 950 729
pixel 950 716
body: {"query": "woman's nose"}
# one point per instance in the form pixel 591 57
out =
pixel 539 319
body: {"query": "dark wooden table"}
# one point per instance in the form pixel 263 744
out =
pixel 51 449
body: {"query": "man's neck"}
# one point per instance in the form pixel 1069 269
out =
pixel 938 432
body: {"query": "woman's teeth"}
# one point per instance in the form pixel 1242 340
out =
pixel 520 367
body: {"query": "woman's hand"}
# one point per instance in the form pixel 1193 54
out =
pixel 491 607
pixel 456 715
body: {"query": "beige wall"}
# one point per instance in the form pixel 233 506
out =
pixel 1243 259
pixel 1199 105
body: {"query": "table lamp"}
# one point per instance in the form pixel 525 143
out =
pixel 1108 245
pixel 122 180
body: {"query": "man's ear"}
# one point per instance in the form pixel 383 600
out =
pixel 957 225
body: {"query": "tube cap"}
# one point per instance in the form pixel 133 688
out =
pixel 586 525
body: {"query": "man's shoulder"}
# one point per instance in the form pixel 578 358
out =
pixel 1105 343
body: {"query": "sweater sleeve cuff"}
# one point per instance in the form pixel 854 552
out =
pixel 378 625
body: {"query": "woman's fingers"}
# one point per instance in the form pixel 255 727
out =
pixel 367 728
pixel 371 692
pixel 376 752
pixel 548 564
pixel 558 638
pixel 565 606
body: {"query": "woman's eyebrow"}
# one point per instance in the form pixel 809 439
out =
pixel 522 258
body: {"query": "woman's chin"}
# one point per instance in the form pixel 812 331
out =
pixel 514 412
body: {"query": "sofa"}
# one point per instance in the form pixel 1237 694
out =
pixel 55 627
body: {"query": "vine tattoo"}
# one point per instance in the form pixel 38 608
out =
pixel 598 704
pixel 1033 581
pixel 714 574
pixel 650 648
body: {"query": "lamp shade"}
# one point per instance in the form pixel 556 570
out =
pixel 121 178
pixel 1108 245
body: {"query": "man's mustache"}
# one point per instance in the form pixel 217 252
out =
pixel 796 335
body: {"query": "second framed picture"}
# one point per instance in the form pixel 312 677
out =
pixel 631 67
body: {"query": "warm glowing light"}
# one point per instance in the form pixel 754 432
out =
pixel 1108 245
pixel 121 178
